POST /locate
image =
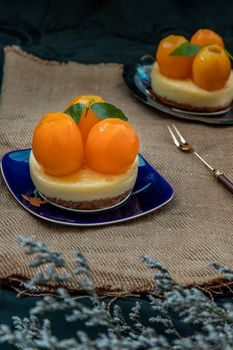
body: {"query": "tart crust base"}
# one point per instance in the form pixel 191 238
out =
pixel 90 205
pixel 187 107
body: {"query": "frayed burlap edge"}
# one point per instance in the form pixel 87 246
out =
pixel 19 51
pixel 216 288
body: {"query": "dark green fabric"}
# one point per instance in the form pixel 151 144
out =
pixel 106 31
pixel 66 30
pixel 10 305
pixel 94 31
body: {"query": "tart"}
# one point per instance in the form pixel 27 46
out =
pixel 84 189
pixel 194 76
pixel 186 95
pixel 90 167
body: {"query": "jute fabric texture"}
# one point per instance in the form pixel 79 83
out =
pixel 186 235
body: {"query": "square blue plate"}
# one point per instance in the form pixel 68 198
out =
pixel 151 192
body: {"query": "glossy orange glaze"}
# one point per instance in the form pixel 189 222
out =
pixel 57 144
pixel 206 37
pixel 112 146
pixel 176 67
pixel 211 68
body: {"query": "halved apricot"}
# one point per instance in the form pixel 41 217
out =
pixel 88 117
pixel 206 37
pixel 57 144
pixel 211 67
pixel 176 67
pixel 112 146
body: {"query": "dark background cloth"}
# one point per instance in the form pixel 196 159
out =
pixel 94 31
pixel 10 305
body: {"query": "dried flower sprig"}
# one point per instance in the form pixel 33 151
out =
pixel 212 326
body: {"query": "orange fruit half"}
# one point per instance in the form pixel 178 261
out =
pixel 112 146
pixel 57 144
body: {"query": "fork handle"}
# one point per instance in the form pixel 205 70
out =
pixel 224 180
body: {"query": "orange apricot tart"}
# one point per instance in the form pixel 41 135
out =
pixel 103 178
pixel 176 67
pixel 204 37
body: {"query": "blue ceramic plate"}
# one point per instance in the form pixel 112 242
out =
pixel 151 192
pixel 137 78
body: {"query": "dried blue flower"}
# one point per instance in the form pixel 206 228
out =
pixel 212 325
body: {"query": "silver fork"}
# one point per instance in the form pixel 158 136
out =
pixel 184 146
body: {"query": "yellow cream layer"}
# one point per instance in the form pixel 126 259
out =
pixel 186 92
pixel 83 185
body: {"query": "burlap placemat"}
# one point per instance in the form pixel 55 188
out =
pixel 187 235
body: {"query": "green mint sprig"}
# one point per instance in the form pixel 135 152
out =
pixel 75 111
pixel 102 109
pixel 229 54
pixel 107 110
pixel 188 49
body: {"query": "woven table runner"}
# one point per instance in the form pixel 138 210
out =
pixel 193 230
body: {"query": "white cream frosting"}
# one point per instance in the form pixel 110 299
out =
pixel 83 185
pixel 186 92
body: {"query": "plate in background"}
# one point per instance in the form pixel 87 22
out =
pixel 137 78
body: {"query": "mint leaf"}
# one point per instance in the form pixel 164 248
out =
pixel 186 49
pixel 106 110
pixel 229 54
pixel 75 111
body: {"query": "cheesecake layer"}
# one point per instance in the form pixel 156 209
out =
pixel 185 94
pixel 85 185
